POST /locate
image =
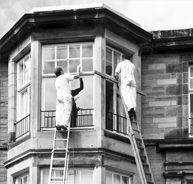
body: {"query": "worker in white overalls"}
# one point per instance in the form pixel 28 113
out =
pixel 64 97
pixel 125 72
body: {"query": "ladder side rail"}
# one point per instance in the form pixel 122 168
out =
pixel 134 144
pixel 135 148
pixel 145 153
pixel 52 157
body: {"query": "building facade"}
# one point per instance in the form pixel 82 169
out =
pixel 97 38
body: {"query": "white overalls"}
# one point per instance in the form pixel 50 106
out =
pixel 64 99
pixel 128 83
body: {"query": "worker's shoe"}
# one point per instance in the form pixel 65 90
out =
pixel 58 127
pixel 64 127
pixel 132 115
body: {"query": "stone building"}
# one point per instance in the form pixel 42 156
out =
pixel 96 37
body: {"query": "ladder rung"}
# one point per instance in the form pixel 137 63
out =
pixel 140 147
pixel 148 173
pixel 61 139
pixel 57 169
pixel 137 139
pixel 56 179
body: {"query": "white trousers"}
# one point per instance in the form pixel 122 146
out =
pixel 129 95
pixel 63 111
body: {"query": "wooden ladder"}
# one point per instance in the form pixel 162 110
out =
pixel 138 147
pixel 60 154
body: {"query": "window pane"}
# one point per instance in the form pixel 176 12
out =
pixel 49 67
pixel 117 59
pixel 87 65
pixel 117 179
pixel 64 65
pixel 191 83
pixel 87 51
pixel 49 94
pixel 125 180
pixel 74 51
pixel 49 53
pixel 61 53
pixel 25 180
pixel 191 72
pixel 85 99
pixel 73 65
pixel 108 178
pixel 108 68
pixel 86 177
pixel 109 55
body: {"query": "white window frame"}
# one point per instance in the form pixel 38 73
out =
pixel 121 175
pixel 22 177
pixel 24 88
pixel 68 58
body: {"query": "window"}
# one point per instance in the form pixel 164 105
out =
pixel 115 178
pixel 113 57
pixel 115 115
pixel 191 100
pixel 68 57
pixel 23 87
pixel 75 176
pixel 24 179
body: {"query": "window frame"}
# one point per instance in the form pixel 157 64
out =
pixel 81 44
pixel 26 87
pixel 16 180
pixel 121 176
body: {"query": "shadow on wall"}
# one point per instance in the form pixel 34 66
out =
pixel 177 133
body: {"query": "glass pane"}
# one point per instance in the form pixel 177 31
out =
pixel 49 53
pixel 74 51
pixel 117 179
pixel 125 180
pixel 117 59
pixel 49 67
pixel 109 55
pixel 87 65
pixel 64 65
pixel 108 178
pixel 49 94
pixel 61 53
pixel 108 68
pixel 87 51
pixel 85 99
pixel 25 104
pixel 191 72
pixel 25 180
pixel 73 65
pixel 86 177
pixel 191 105
pixel 21 80
pixel 45 175
pixel 191 83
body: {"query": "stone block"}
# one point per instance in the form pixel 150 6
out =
pixel 166 125
pixel 148 83
pixel 185 77
pixel 174 89
pixel 153 112
pixel 147 120
pixel 162 103
pixel 187 58
pixel 149 72
pixel 185 88
pixel 174 68
pixel 179 100
pixel 166 81
pixel 173 111
pixel 185 66
pixel 179 78
pixel 156 66
pixel 164 120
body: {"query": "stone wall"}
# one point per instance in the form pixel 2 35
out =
pixel 3 120
pixel 165 108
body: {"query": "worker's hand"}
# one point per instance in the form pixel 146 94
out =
pixel 78 68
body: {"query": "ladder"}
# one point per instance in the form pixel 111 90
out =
pixel 60 154
pixel 138 147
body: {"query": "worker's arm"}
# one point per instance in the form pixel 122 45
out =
pixel 76 91
pixel 116 76
pixel 78 73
